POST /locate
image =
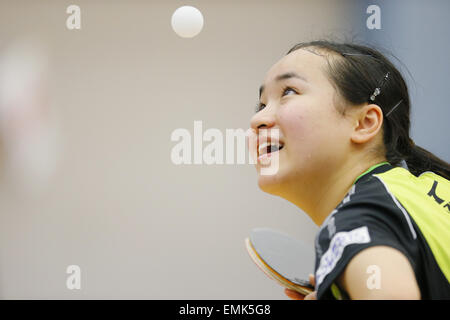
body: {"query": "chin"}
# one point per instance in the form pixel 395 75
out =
pixel 271 184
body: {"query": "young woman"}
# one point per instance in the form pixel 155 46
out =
pixel 342 117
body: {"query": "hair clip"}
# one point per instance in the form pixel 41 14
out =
pixel 398 103
pixel 377 90
pixel 355 54
pixel 375 93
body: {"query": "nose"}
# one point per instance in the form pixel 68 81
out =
pixel 262 119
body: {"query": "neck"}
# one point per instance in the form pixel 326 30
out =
pixel 321 195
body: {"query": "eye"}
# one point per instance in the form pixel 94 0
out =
pixel 259 107
pixel 287 89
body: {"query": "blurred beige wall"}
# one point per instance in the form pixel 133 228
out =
pixel 136 224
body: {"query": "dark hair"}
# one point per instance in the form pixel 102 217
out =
pixel 355 71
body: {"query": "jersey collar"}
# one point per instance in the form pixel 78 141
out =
pixel 377 168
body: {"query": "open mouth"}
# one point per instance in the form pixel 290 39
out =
pixel 267 148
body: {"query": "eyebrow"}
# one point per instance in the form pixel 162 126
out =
pixel 282 77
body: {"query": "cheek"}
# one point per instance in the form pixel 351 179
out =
pixel 297 124
pixel 308 133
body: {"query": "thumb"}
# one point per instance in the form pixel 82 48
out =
pixel 311 296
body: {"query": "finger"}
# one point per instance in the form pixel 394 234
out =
pixel 312 280
pixel 311 296
pixel 294 295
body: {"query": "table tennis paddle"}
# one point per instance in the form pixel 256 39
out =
pixel 284 259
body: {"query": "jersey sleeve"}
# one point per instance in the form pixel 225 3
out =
pixel 357 225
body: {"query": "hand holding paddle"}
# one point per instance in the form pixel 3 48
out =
pixel 284 259
pixel 294 295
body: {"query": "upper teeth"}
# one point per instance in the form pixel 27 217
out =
pixel 263 147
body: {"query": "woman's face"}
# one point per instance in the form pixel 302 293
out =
pixel 298 101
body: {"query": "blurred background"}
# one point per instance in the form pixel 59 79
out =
pixel 86 117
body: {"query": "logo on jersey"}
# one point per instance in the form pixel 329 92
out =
pixel 337 245
pixel 432 193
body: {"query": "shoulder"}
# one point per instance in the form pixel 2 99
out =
pixel 370 202
pixel 368 216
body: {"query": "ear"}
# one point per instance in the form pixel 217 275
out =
pixel 368 121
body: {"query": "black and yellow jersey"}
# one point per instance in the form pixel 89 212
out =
pixel 389 206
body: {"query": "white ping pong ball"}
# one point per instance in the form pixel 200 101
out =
pixel 187 21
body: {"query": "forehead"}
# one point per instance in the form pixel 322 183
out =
pixel 307 62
